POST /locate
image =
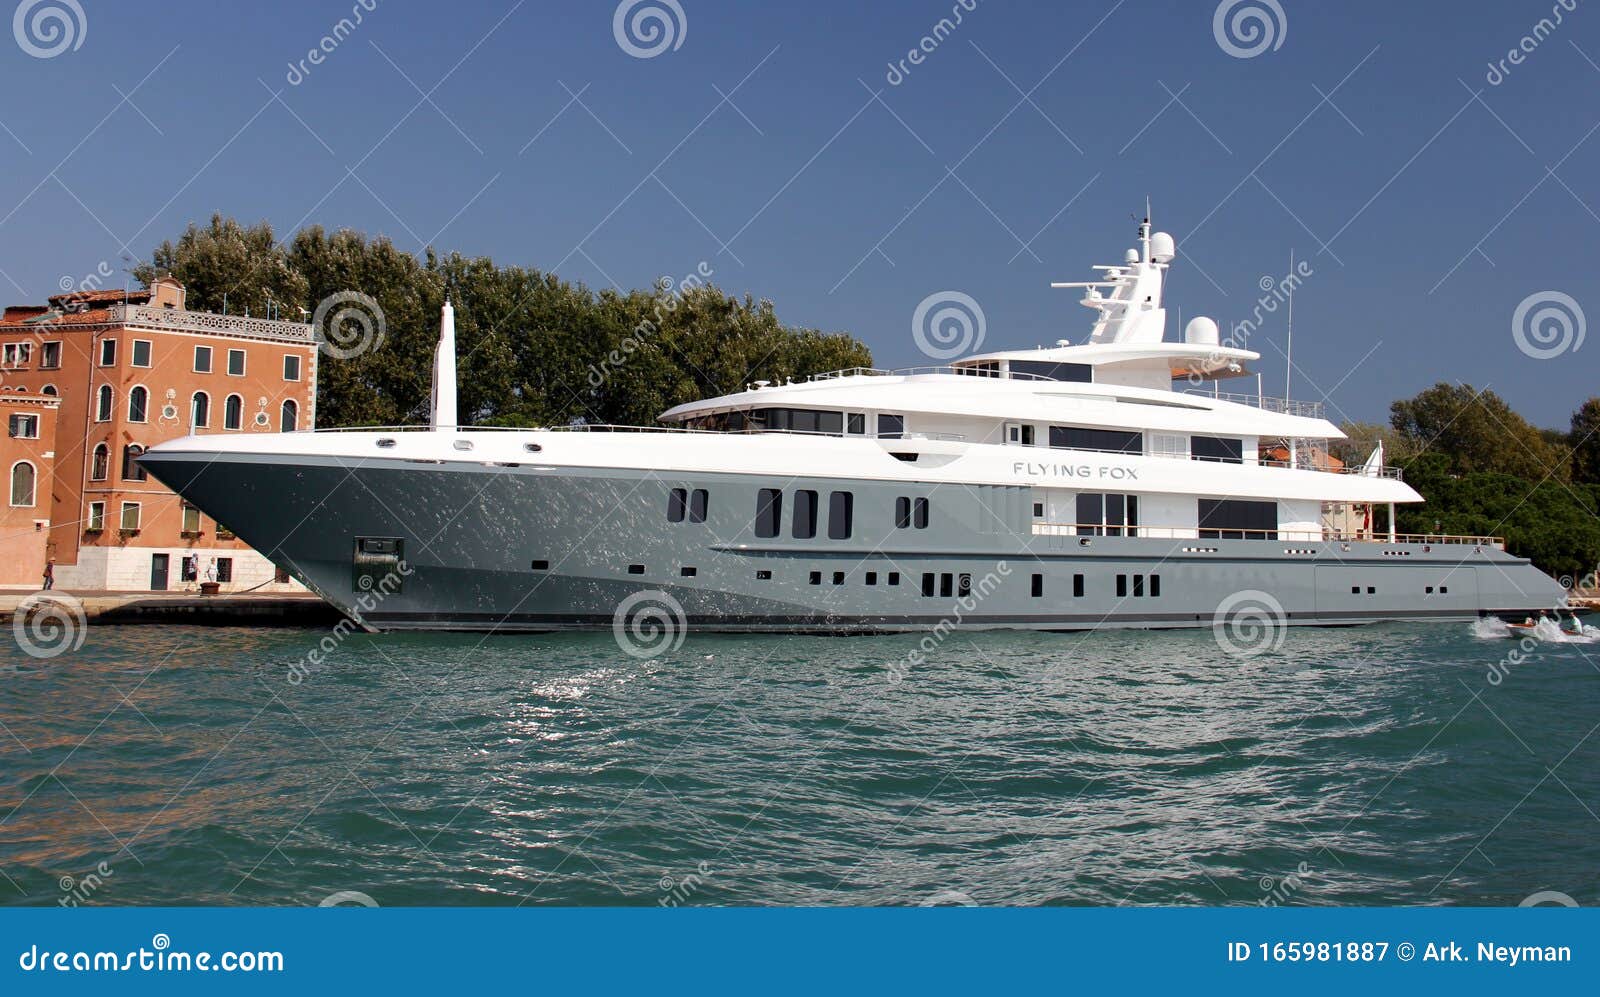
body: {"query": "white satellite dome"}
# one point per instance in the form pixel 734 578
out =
pixel 1162 248
pixel 1201 331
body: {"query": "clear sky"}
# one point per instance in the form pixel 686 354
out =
pixel 773 142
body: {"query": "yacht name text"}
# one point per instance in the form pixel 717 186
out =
pixel 1103 471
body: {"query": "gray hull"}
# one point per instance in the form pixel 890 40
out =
pixel 419 545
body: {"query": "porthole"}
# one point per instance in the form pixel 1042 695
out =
pixel 532 447
pixel 386 442
pixel 462 444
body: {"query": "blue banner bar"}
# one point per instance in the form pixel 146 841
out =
pixel 761 951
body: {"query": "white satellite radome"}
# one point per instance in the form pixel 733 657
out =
pixel 1131 256
pixel 1201 331
pixel 1162 248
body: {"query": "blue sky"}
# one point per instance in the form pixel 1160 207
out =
pixel 770 144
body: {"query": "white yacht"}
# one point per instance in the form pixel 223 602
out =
pixel 1106 483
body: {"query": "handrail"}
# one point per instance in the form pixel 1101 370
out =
pixel 1267 403
pixel 945 369
pixel 1143 531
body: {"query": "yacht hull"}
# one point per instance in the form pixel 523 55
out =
pixel 403 544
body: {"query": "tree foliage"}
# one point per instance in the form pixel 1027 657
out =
pixel 532 349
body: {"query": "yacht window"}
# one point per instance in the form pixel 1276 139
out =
pixel 920 513
pixel 1038 586
pixel 769 512
pixel 927 583
pixel 800 420
pixel 872 578
pixel 675 504
pixel 985 368
pixel 1155 586
pixel 946 585
pixel 1101 515
pixel 902 513
pixel 1106 440
pixel 1168 445
pixel 1078 372
pixel 1077 586
pixel 1238 519
pixel 841 508
pixel 856 424
pixel 1122 586
pixel 1216 448
pixel 1018 434
pixel 894 578
pixel 805 514
pixel 891 427
pixel 963 585
pixel 697 506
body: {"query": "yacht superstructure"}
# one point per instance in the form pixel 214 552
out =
pixel 1066 487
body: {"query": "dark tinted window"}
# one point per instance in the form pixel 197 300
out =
pixel 964 585
pixel 1077 586
pixel 856 424
pixel 1238 519
pixel 892 426
pixel 1217 448
pixel 1038 586
pixel 769 512
pixel 841 508
pixel 1080 372
pixel 902 513
pixel 805 514
pixel 927 583
pixel 921 513
pixel 1107 440
pixel 697 506
pixel 675 506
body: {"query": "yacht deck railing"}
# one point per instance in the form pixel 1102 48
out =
pixel 1196 533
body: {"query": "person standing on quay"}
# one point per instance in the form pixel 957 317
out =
pixel 50 574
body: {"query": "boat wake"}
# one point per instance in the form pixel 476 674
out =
pixel 1545 630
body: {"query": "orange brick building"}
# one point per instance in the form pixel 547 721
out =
pixel 27 455
pixel 121 371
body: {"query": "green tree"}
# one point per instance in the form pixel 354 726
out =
pixel 230 267
pixel 1476 431
pixel 1584 442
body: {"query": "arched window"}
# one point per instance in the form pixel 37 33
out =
pixel 100 467
pixel 22 482
pixel 132 470
pixel 138 404
pixel 200 410
pixel 102 406
pixel 233 412
pixel 289 418
pixel 48 389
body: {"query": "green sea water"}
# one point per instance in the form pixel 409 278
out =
pixel 1407 764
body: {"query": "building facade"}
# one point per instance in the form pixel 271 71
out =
pixel 125 370
pixel 28 457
